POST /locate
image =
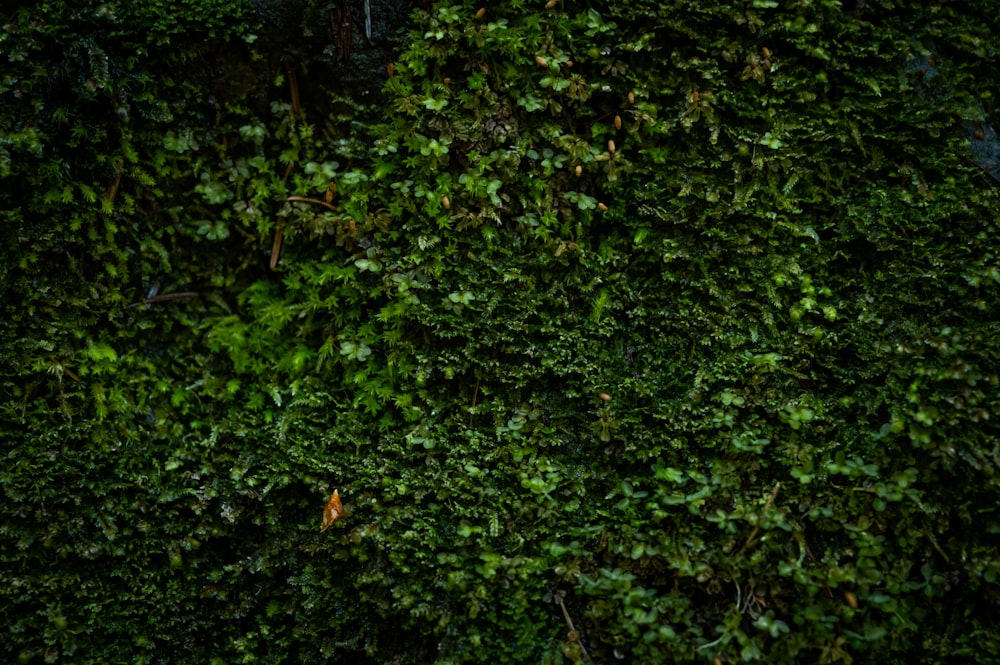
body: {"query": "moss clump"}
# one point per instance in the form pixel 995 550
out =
pixel 658 333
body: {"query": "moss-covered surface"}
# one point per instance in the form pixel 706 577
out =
pixel 628 332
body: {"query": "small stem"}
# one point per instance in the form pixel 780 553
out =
pixel 293 84
pixel 569 622
pixel 308 200
pixel 475 394
pixel 562 605
pixel 276 247
pixel 165 297
pixel 711 644
pixel 112 190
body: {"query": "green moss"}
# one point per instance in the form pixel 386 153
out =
pixel 659 332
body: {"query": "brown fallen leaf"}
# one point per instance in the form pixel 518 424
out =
pixel 333 511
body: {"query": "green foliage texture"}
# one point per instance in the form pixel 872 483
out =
pixel 676 321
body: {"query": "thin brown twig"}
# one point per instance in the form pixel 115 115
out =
pixel 308 200
pixel 276 246
pixel 569 623
pixel 293 84
pixel 112 190
pixel 562 605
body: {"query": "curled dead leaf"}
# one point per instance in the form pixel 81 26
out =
pixel 332 512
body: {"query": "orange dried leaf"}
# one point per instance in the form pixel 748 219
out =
pixel 333 511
